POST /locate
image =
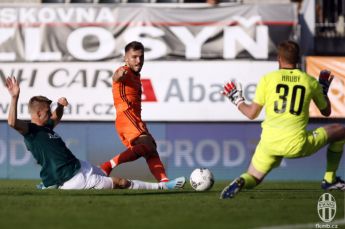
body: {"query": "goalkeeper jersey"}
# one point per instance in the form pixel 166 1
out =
pixel 286 95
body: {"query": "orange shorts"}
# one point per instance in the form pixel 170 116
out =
pixel 129 126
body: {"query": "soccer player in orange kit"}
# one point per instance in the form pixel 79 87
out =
pixel 129 125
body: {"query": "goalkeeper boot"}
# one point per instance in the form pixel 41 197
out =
pixel 176 183
pixel 338 184
pixel 232 189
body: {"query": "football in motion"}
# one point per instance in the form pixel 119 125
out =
pixel 201 179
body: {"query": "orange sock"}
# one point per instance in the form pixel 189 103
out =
pixel 130 154
pixel 153 161
pixel 157 168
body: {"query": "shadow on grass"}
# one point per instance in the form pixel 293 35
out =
pixel 99 193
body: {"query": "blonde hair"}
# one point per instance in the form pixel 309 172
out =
pixel 36 102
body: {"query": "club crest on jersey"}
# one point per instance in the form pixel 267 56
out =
pixel 53 136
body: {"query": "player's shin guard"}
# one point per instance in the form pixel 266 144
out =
pixel 157 168
pixel 334 153
pixel 249 181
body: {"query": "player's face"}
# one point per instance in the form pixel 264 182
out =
pixel 135 59
pixel 45 113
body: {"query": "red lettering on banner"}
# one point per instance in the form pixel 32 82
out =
pixel 148 92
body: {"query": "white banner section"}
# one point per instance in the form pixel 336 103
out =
pixel 172 91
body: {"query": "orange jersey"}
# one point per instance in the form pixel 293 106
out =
pixel 127 91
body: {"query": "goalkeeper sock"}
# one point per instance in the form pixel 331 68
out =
pixel 141 185
pixel 249 181
pixel 334 153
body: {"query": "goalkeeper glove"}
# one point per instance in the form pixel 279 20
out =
pixel 325 80
pixel 233 91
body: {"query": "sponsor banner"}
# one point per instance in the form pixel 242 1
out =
pixel 97 33
pixel 172 91
pixel 336 92
pixel 225 148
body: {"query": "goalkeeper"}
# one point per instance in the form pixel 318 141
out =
pixel 60 168
pixel 286 95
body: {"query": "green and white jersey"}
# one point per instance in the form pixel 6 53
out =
pixel 57 161
pixel 286 95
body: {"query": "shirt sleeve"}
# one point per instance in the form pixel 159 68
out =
pixel 260 92
pixel 31 131
pixel 318 97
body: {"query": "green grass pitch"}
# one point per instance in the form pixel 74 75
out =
pixel 271 205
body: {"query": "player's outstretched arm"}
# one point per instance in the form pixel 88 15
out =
pixel 120 73
pixel 14 91
pixel 233 90
pixel 58 112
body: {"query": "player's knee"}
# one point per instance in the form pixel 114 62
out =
pixel 121 183
pixel 336 132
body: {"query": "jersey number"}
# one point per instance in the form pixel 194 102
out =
pixel 283 91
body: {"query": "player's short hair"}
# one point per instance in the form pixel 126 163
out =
pixel 289 52
pixel 37 102
pixel 135 45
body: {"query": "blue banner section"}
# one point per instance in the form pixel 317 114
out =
pixel 225 148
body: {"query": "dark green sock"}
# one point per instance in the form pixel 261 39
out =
pixel 334 153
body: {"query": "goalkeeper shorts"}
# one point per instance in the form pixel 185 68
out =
pixel 264 161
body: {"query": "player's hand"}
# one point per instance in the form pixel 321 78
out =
pixel 120 73
pixel 325 80
pixel 63 102
pixel 233 90
pixel 12 86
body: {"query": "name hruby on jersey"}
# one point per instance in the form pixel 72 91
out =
pixel 286 95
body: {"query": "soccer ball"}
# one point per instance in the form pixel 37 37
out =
pixel 201 179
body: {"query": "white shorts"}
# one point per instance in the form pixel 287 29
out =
pixel 88 177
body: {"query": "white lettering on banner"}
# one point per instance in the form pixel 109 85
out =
pixel 85 14
pixel 47 15
pixel 104 15
pixel 8 15
pixel 33 51
pixel 235 38
pixel 205 153
pixel 65 15
pixel 209 147
pixel 183 152
pixel 5 35
pixel 157 48
pixel 236 35
pixel 229 159
pixel 104 37
pixel 15 158
pixel 193 44
pixel 28 15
